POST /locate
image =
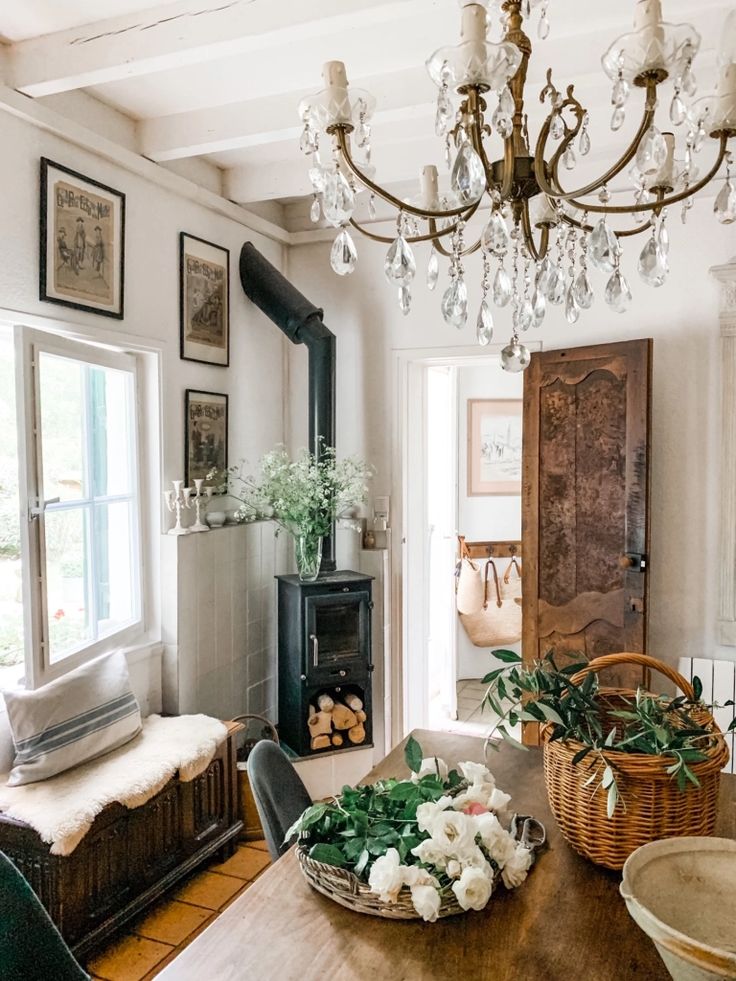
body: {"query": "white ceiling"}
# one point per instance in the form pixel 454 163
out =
pixel 221 79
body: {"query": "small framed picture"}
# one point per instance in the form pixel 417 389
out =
pixel 205 434
pixel 204 301
pixel 494 446
pixel 82 242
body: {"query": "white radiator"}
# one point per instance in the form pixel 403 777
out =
pixel 719 684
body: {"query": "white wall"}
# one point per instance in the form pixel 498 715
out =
pixel 495 517
pixel 154 218
pixel 681 317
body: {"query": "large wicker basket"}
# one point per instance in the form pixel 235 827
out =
pixel 652 804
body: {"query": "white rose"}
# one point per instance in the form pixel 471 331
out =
pixel 473 889
pixel 416 876
pixel 479 793
pixel 515 870
pixel 453 868
pixel 426 902
pixel 502 848
pixel 498 801
pixel 473 858
pixel 453 832
pixel 386 876
pixel 429 853
pixel 427 812
pixel 431 766
pixel 477 773
pixel 489 828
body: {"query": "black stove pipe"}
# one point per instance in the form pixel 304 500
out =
pixel 301 321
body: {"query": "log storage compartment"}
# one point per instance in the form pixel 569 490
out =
pixel 325 700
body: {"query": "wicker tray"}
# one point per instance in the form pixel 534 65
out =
pixel 345 888
pixel 654 806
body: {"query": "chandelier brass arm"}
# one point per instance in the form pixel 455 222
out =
pixel 341 135
pixel 431 236
pixel 539 161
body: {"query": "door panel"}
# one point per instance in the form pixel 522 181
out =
pixel 585 502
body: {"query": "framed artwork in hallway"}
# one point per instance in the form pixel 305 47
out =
pixel 204 301
pixel 82 232
pixel 494 446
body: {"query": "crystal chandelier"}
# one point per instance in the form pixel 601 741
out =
pixel 540 236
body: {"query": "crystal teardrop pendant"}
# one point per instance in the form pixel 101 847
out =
pixel 618 294
pixel 539 306
pixel 557 127
pixel 652 152
pixel 343 255
pixel 502 123
pixel 433 269
pixel 372 207
pixel 552 284
pixel 652 264
pixel 556 292
pixel 603 246
pixel 444 113
pixel 501 290
pixel 405 299
pixel 687 81
pixel 484 324
pixel 506 102
pixel 663 239
pixel 725 205
pixel 584 143
pixel 543 27
pixel 468 179
pixel 678 110
pixel 572 310
pixel 617 118
pixel 568 158
pixel 399 265
pixel 455 303
pixel 619 93
pixel 526 315
pixel 544 272
pixel 338 200
pixel 495 238
pixel 315 210
pixel 306 144
pixel 583 291
pixel 515 357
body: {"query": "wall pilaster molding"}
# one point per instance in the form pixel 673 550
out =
pixel 725 275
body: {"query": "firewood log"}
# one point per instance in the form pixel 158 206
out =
pixel 320 742
pixel 337 739
pixel 353 702
pixel 326 704
pixel 357 733
pixel 312 710
pixel 361 716
pixel 320 724
pixel 343 717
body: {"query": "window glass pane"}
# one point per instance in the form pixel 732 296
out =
pixel 114 544
pixel 11 602
pixel 67 581
pixel 111 417
pixel 62 427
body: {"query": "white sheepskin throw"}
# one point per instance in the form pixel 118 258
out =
pixel 63 808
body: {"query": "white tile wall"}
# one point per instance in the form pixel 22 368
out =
pixel 220 637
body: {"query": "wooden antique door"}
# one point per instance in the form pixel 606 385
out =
pixel 585 510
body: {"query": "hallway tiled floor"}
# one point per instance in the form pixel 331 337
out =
pixel 154 939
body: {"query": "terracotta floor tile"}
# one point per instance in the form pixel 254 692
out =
pixel 246 863
pixel 260 845
pixel 209 889
pixel 171 922
pixel 128 959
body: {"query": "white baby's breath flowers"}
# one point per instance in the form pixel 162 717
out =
pixel 473 889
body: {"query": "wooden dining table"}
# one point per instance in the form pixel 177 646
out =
pixel 567 922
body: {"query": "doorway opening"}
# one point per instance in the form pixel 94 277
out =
pixel 461 476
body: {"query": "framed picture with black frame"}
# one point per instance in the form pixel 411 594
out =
pixel 204 301
pixel 205 435
pixel 82 242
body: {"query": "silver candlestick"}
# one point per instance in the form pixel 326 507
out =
pixel 201 499
pixel 176 501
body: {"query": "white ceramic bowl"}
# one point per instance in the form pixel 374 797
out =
pixel 682 893
pixel 216 519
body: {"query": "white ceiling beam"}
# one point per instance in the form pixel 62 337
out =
pixel 185 33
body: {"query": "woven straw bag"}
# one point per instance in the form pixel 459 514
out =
pixel 470 592
pixel 499 620
pixel 653 805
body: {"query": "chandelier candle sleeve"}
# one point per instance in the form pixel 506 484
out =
pixel 509 194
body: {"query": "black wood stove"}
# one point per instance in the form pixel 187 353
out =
pixel 324 649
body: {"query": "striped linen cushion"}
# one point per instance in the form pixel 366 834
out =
pixel 88 712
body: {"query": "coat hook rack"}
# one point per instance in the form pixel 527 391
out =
pixel 489 550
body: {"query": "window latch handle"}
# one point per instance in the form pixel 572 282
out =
pixel 42 505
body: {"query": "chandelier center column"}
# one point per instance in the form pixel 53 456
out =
pixel 515 34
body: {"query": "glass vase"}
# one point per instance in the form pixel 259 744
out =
pixel 308 551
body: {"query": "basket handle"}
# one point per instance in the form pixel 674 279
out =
pixel 609 660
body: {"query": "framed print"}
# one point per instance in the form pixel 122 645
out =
pixel 82 242
pixel 205 434
pixel 494 446
pixel 204 301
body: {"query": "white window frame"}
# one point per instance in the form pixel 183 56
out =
pixel 29 344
